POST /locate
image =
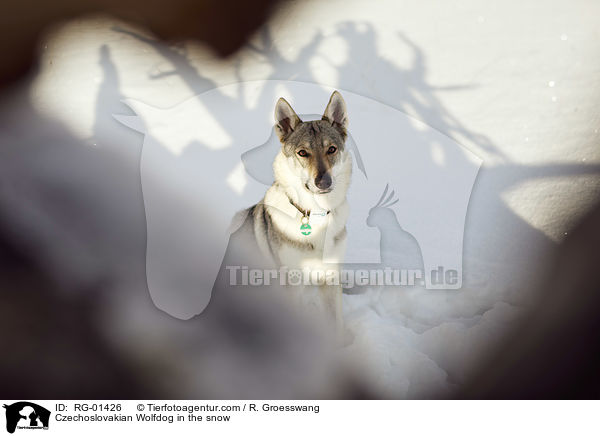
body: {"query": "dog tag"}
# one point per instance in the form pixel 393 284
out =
pixel 305 228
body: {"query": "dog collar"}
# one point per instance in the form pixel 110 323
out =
pixel 306 213
pixel 305 227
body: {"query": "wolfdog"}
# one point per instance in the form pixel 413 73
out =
pixel 300 224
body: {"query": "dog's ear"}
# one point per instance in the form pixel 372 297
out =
pixel 286 118
pixel 335 112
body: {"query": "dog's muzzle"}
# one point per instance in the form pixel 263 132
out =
pixel 323 181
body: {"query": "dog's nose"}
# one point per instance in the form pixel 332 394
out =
pixel 323 181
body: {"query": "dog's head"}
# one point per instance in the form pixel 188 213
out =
pixel 316 147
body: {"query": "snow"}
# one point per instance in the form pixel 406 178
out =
pixel 514 82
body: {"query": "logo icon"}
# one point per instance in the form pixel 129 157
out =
pixel 216 152
pixel 26 415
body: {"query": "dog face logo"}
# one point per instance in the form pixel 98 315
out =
pixel 26 415
pixel 212 155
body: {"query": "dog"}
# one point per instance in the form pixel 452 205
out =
pixel 300 224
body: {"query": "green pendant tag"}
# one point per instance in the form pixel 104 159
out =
pixel 305 228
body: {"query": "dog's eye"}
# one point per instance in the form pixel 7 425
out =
pixel 331 150
pixel 302 153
